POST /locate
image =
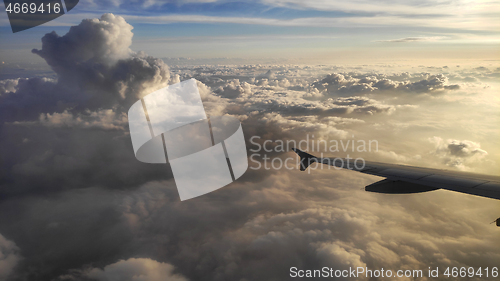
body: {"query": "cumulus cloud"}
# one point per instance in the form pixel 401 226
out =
pixel 103 40
pixel 8 85
pixel 234 89
pixel 347 84
pixel 98 78
pixel 287 105
pixel 95 69
pixel 458 153
pixel 291 98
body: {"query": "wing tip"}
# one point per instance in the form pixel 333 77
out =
pixel 305 158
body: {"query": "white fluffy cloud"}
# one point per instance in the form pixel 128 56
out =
pixel 104 40
pixel 347 84
pixel 8 85
pixel 458 153
pixel 95 70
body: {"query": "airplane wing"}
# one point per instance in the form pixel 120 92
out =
pixel 401 179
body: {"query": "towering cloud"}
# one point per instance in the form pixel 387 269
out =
pixel 95 69
pixel 98 78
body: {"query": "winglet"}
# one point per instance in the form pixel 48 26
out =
pixel 305 159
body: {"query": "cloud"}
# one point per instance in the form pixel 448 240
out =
pixel 414 39
pixel 445 21
pixel 233 89
pixel 458 153
pixel 64 152
pixel 301 126
pixel 104 40
pixel 135 269
pixel 291 98
pixel 380 7
pixel 95 70
pixel 309 221
pixel 8 85
pixel 59 134
pixel 154 3
pixel 56 123
pixel 79 206
pixel 9 257
pixel 329 107
pixel 104 119
pixel 460 15
pixel 463 149
pixel 347 84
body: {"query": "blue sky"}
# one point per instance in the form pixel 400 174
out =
pixel 331 31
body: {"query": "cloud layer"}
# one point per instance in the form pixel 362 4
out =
pixel 75 204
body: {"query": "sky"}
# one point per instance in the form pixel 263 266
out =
pixel 297 31
pixel 420 78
